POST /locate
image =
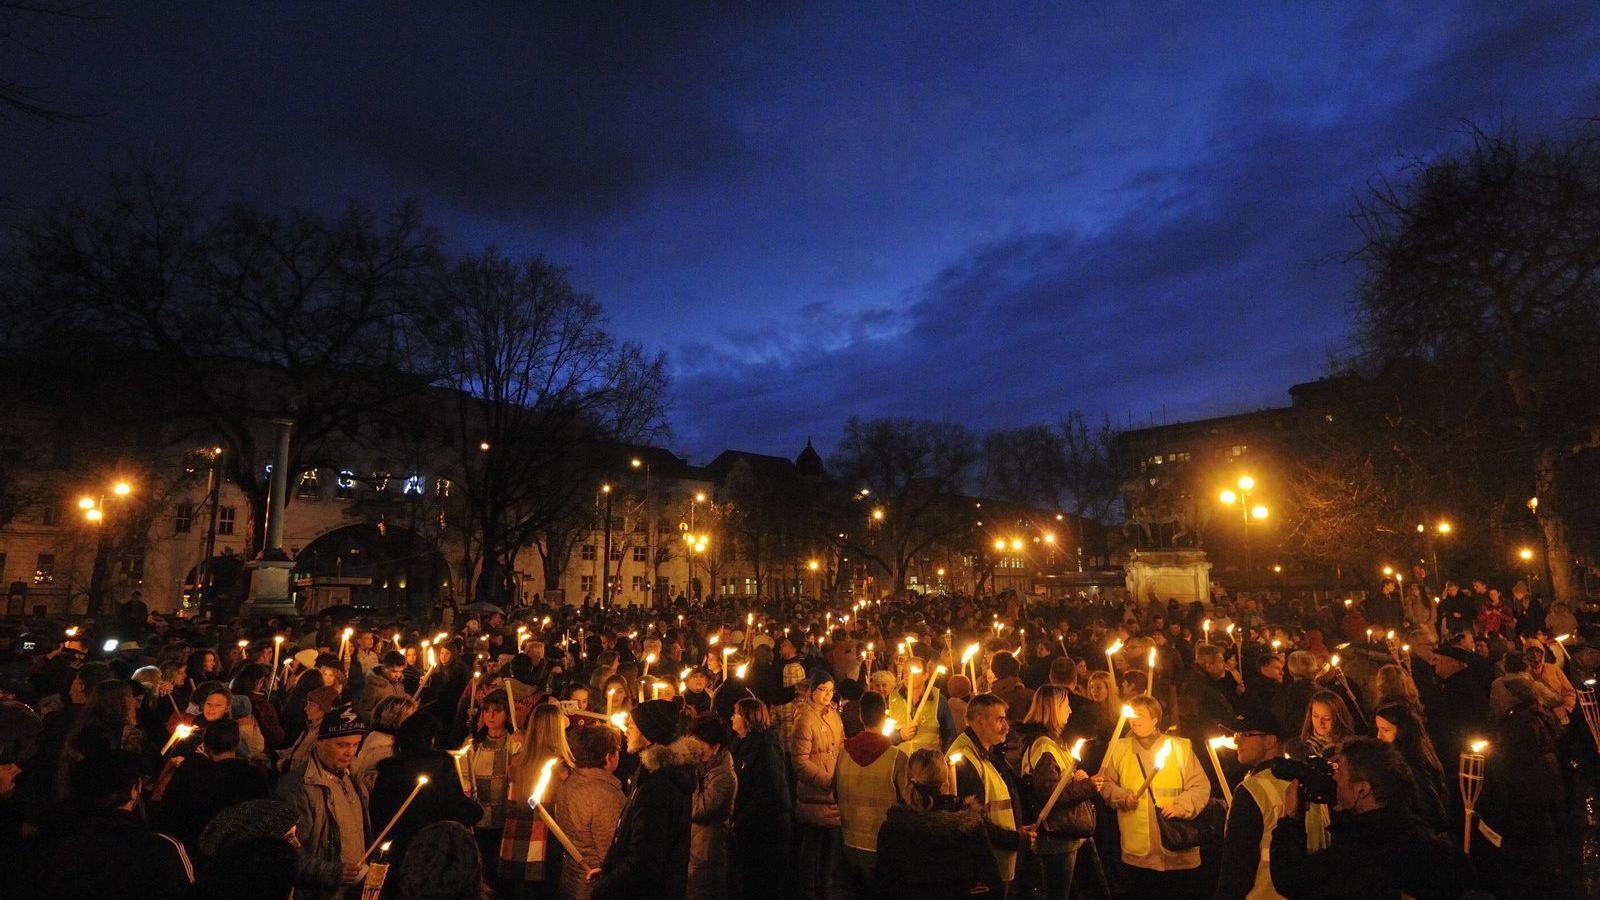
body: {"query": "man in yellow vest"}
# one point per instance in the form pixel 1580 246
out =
pixel 1257 805
pixel 982 773
pixel 868 781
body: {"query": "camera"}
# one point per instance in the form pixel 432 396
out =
pixel 1314 773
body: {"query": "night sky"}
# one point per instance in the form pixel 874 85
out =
pixel 977 213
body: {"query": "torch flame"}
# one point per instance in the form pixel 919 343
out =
pixel 955 758
pixel 1128 712
pixel 1150 661
pixel 1077 750
pixel 888 727
pixel 384 847
pixel 620 720
pixel 1224 741
pixel 713 641
pixel 183 731
pixel 1334 660
pixel 544 782
pixel 1479 746
pixel 1115 648
pixel 969 653
pixel 1162 754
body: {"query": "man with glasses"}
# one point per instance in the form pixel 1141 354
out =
pixel 1257 806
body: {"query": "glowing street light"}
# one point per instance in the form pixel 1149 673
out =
pixel 1228 498
pixel 1258 512
pixel 122 489
pixel 1526 554
pixel 1246 483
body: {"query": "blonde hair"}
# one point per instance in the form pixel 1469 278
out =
pixel 1046 709
pixel 1391 684
pixel 1104 678
pixel 546 738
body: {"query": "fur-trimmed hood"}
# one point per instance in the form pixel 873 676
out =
pixel 685 751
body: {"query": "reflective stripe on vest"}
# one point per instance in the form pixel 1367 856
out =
pixel 865 795
pixel 1135 824
pixel 1268 791
pixel 996 799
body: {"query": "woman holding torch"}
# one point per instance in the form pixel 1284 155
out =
pixel 1150 774
pixel 525 844
pixel 1050 770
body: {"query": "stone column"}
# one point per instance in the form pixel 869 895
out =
pixel 270 593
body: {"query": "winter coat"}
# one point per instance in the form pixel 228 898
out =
pixel 763 803
pixel 201 788
pixel 308 788
pixel 649 855
pixel 442 800
pixel 818 735
pixel 1039 784
pixel 1377 854
pixel 373 690
pixel 587 806
pixel 107 854
pixel 708 836
pixel 375 748
pixel 933 855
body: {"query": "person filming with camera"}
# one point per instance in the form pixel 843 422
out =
pixel 1376 845
pixel 1258 804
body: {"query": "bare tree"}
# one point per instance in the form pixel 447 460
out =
pixel 1068 466
pixel 905 479
pixel 1487 260
pixel 545 394
pixel 231 317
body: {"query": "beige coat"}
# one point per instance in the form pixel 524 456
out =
pixel 587 806
pixel 818 736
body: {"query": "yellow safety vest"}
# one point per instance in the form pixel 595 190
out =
pixel 927 725
pixel 1268 791
pixel 996 799
pixel 865 795
pixel 1134 824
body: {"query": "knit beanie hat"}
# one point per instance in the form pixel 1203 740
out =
pixel 341 721
pixel 245 821
pixel 306 658
pixel 793 673
pixel 657 720
pixel 441 862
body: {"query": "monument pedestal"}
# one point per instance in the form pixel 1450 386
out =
pixel 1182 575
pixel 270 591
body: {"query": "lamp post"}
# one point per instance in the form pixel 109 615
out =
pixel 814 566
pixel 94 511
pixel 1249 512
pixel 1442 529
pixel 650 527
pixel 605 561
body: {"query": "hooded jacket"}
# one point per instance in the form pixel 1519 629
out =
pixel 649 855
pixel 933 854
pixel 308 788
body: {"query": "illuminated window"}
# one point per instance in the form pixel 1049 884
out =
pixel 344 487
pixel 413 486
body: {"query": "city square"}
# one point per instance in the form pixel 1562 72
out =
pixel 647 451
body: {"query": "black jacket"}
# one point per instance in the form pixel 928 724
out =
pixel 764 802
pixel 649 855
pixel 201 788
pixel 933 855
pixel 1377 854
pixel 441 801
pixel 106 854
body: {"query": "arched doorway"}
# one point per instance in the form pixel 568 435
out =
pixel 385 569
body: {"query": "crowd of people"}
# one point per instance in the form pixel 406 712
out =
pixel 915 746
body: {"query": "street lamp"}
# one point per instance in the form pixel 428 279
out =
pixel 1249 512
pixel 605 561
pixel 94 511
